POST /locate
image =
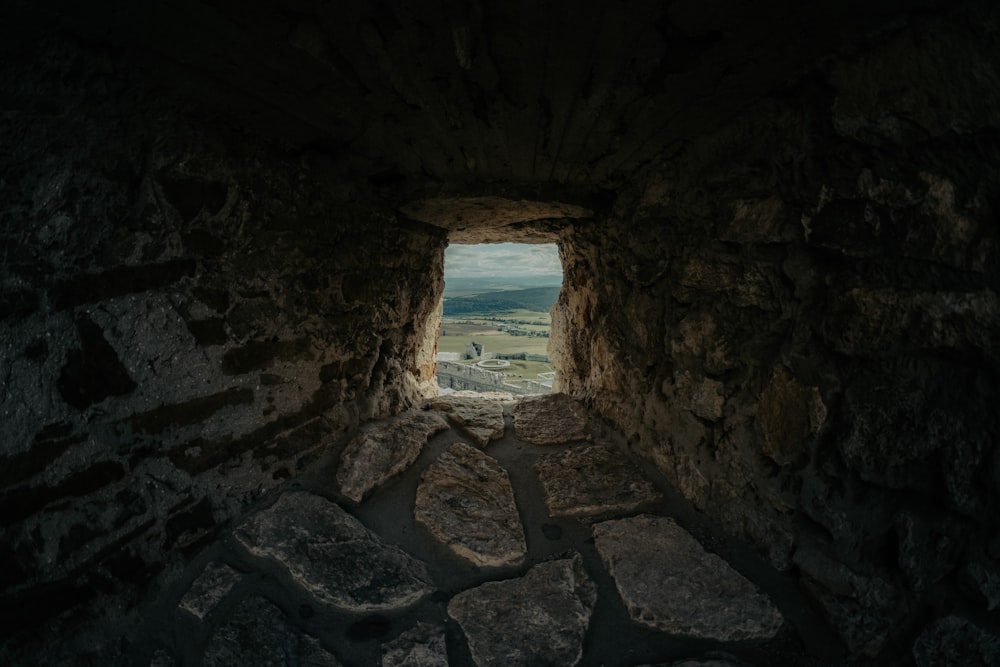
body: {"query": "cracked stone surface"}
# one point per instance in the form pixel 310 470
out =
pixel 466 501
pixel 549 420
pixel 215 581
pixel 482 419
pixel 591 481
pixel 537 619
pixel 668 581
pixel 258 634
pixel 381 451
pixel 422 646
pixel 333 556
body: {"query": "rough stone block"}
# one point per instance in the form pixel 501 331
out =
pixel 537 619
pixel 481 418
pixel 333 556
pixel 668 581
pixel 466 501
pixel 702 396
pixel 550 420
pixel 213 584
pixel 594 480
pixel 381 451
pixel 421 646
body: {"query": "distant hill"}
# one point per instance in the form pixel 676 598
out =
pixel 465 286
pixel 538 299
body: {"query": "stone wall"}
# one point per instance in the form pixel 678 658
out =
pixel 796 319
pixel 187 316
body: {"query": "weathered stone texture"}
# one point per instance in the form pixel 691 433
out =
pixel 702 396
pixel 213 584
pixel 668 581
pixel 333 556
pixel 466 501
pixel 482 418
pixel 381 451
pixel 259 635
pixel 593 480
pixel 539 618
pixel 422 646
pixel 551 419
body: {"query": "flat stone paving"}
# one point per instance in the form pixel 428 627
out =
pixel 475 546
pixel 481 419
pixel 595 480
pixel 466 501
pixel 332 555
pixel 536 619
pixel 668 581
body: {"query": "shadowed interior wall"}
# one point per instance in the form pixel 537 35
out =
pixel 189 316
pixel 796 319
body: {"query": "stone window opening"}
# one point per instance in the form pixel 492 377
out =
pixel 494 219
pixel 495 322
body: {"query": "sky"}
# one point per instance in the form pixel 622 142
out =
pixel 502 260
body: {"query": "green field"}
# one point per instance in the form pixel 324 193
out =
pixel 493 341
pixel 482 328
pixel 523 370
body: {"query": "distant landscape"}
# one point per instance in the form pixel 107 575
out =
pixel 504 321
pixel 466 286
pixel 500 296
pixel 495 302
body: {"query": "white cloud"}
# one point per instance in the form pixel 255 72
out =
pixel 502 260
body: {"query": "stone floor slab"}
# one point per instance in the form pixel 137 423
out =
pixel 422 646
pixel 537 619
pixel 258 634
pixel 550 420
pixel 668 581
pixel 333 556
pixel 382 450
pixel 466 501
pixel 482 419
pixel 215 581
pixel 594 480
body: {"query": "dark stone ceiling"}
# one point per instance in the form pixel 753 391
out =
pixel 494 97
